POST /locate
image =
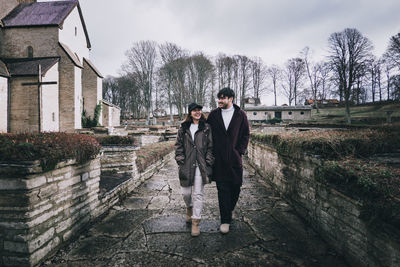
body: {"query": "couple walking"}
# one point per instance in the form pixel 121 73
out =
pixel 211 150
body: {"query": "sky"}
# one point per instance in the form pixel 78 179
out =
pixel 274 30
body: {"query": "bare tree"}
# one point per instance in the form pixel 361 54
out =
pixel 294 73
pixel 169 52
pixel 111 90
pixel 349 52
pixel 224 66
pixel 314 75
pixel 388 69
pixel 141 62
pixel 244 77
pixel 259 74
pixel 374 74
pixel 180 92
pixel 274 72
pixel 200 73
pixel 395 87
pixel 326 80
pixel 392 54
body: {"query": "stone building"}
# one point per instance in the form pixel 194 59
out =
pixel 111 114
pixel 4 75
pixel 51 35
pixel 285 113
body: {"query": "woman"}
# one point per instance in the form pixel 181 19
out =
pixel 193 153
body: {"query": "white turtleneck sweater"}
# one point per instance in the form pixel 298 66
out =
pixel 227 115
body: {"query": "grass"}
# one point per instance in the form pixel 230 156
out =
pixel 368 114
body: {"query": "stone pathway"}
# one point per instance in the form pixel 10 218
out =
pixel 149 229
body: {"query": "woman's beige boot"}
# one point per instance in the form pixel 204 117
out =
pixel 189 213
pixel 195 227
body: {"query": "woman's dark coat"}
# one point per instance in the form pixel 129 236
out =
pixel 187 152
pixel 229 145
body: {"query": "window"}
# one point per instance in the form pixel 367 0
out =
pixel 76 31
pixel 30 51
pixel 265 113
pixel 302 113
pixel 290 113
pixel 254 113
pixel 53 115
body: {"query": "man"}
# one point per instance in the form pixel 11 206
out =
pixel 231 133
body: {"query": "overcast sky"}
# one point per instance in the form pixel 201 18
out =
pixel 274 30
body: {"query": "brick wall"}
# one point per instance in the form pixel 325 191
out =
pixel 334 215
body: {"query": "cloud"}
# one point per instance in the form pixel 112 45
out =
pixel 273 30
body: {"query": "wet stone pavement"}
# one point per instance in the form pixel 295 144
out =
pixel 148 229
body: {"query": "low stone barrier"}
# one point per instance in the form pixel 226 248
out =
pixel 111 162
pixel 39 210
pixel 143 139
pixel 119 159
pixel 334 215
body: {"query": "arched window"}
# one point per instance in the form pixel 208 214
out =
pixel 254 113
pixel 30 51
pixel 302 113
pixel 290 113
pixel 76 31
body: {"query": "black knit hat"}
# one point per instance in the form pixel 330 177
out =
pixel 193 106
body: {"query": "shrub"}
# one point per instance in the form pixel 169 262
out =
pixel 151 153
pixel 332 144
pixel 115 140
pixel 376 185
pixel 48 148
pixel 345 165
pixel 274 120
pixel 88 122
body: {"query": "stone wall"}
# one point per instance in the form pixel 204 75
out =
pixel 120 159
pixel 110 161
pixel 296 115
pixel 44 41
pixel 334 215
pixel 111 115
pixel 67 94
pixel 41 210
pixel 23 105
pixel 145 139
pixel 89 90
pixel 3 104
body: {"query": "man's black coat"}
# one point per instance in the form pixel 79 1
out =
pixel 229 145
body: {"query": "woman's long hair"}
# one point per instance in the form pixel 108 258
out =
pixel 189 118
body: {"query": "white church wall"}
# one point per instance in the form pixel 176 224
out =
pixel 78 100
pixel 100 96
pixel 73 35
pixel 50 101
pixel 3 105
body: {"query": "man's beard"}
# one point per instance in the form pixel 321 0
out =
pixel 224 106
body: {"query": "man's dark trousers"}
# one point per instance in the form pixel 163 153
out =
pixel 228 195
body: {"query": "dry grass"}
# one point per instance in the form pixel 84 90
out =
pixel 151 153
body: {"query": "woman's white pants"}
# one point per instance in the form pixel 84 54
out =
pixel 194 195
